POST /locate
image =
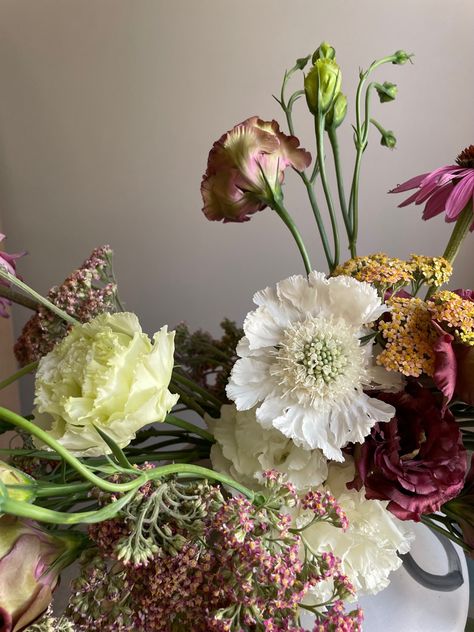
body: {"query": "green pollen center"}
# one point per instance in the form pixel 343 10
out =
pixel 323 359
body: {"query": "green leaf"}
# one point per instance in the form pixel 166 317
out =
pixel 116 451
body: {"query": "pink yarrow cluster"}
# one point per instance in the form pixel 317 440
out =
pixel 88 291
pixel 242 571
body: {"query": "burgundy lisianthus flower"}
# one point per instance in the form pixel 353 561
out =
pixel 8 261
pixel 454 362
pixel 417 460
pixel 246 168
pixel 447 189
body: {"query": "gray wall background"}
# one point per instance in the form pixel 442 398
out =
pixel 108 109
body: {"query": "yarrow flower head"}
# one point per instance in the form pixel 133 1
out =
pixel 446 189
pixel 454 314
pixel 87 292
pixel 7 261
pixel 238 567
pixel 409 337
pixel 107 374
pixel 303 364
pixel 246 168
pixel 434 271
pixel 379 269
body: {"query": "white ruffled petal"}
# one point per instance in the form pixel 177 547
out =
pixel 249 383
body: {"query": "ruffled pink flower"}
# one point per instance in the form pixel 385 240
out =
pixel 417 460
pixel 446 189
pixel 9 263
pixel 246 168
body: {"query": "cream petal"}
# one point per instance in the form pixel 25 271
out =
pixel 261 330
pixel 249 382
pixel 357 302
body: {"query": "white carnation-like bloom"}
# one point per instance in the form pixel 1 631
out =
pixel 368 549
pixel 245 450
pixel 302 362
pixel 105 373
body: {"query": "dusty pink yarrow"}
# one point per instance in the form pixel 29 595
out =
pixel 324 504
pixel 80 296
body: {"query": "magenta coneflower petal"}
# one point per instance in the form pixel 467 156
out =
pixel 460 196
pixel 447 188
pixel 437 202
pixel 409 184
pixel 409 200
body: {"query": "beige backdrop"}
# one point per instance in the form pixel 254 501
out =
pixel 108 109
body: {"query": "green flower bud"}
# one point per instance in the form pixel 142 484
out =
pixel 322 84
pixel 337 113
pixel 401 57
pixel 388 139
pixel 387 92
pixel 324 51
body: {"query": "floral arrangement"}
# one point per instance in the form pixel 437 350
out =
pixel 342 411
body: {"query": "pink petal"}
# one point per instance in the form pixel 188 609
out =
pixel 409 184
pixel 437 174
pixel 436 204
pixel 409 200
pixel 460 196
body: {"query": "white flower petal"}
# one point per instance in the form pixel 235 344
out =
pixel 260 329
pixel 249 382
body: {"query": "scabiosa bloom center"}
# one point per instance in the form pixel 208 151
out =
pixel 318 358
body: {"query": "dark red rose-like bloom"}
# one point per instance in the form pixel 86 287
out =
pixel 417 460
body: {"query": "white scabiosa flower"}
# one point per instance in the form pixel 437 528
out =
pixel 303 364
pixel 245 450
pixel 105 373
pixel 369 548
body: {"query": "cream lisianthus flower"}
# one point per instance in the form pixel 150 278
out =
pixel 106 373
pixel 245 450
pixel 369 548
pixel 303 364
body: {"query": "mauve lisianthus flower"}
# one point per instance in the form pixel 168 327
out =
pixel 246 168
pixel 108 374
pixel 302 362
pixel 245 451
pixel 447 189
pixel 416 461
pixel 8 261
pixel 30 562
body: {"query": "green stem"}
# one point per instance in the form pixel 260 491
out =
pixel 41 514
pixel 44 437
pixel 37 297
pixel 318 218
pixel 16 297
pixel 288 221
pixel 340 182
pixel 47 491
pixel 460 231
pixel 319 128
pixel 189 401
pixel 186 425
pixel 179 377
pixel 20 373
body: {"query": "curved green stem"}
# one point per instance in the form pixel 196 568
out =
pixel 18 374
pixel 179 377
pixel 288 221
pixel 460 231
pixel 83 470
pixel 4 274
pixel 319 128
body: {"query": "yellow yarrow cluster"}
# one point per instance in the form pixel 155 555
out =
pixel 379 269
pixel 434 271
pixel 454 314
pixel 410 336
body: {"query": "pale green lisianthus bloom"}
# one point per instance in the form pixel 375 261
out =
pixel 105 373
